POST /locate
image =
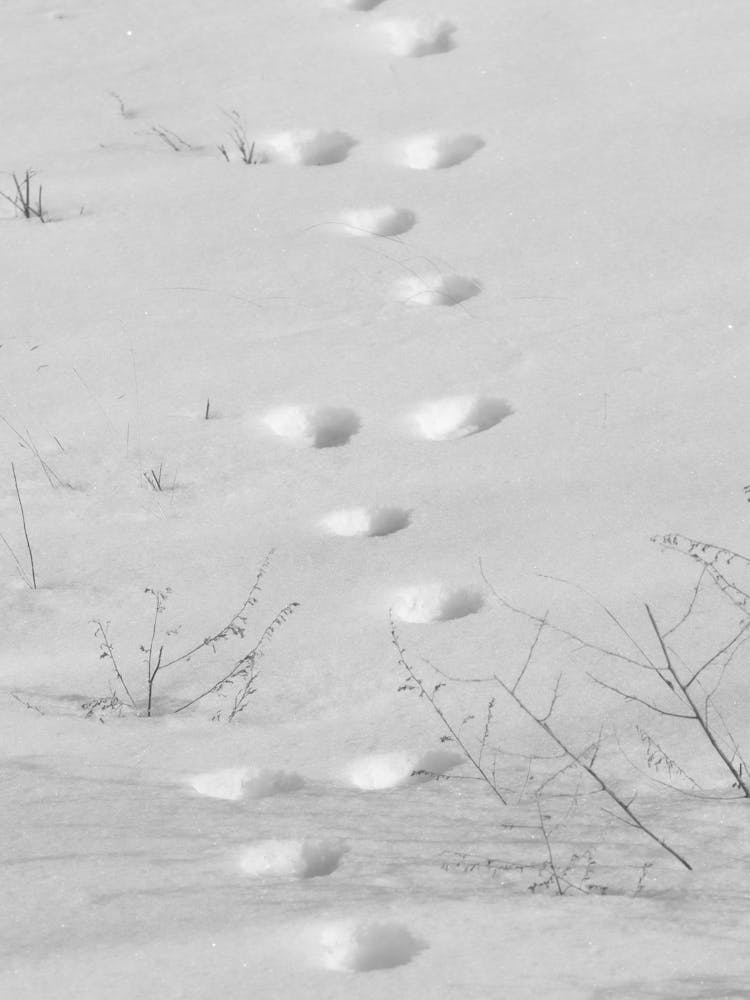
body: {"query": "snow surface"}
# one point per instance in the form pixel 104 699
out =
pixel 532 358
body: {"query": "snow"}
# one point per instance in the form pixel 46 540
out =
pixel 468 330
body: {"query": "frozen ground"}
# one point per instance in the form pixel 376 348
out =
pixel 480 294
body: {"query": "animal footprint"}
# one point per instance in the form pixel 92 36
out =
pixel 460 416
pixel 436 602
pixel 308 148
pixel 295 858
pixel 418 37
pixel 364 947
pixel 378 771
pixel 236 783
pixel 382 221
pixel 320 427
pixel 435 152
pixel 368 521
pixel 442 290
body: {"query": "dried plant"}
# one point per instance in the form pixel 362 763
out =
pixel 237 681
pixel 26 201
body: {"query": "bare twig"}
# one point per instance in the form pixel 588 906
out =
pixel 25 529
pixel 701 719
pixel 415 683
pixel 601 782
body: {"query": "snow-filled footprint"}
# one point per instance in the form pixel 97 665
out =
pixel 234 783
pixel 319 427
pixel 365 947
pixel 436 602
pixel 459 416
pixel 436 152
pixel 371 522
pixel 292 858
pixel 307 147
pixel 384 220
pixel 440 290
pixel 417 36
pixel 378 771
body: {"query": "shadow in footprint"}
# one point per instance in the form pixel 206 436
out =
pixel 320 427
pixel 420 37
pixel 437 152
pixel 301 859
pixel 445 290
pixel 307 148
pixel 460 416
pixel 365 947
pixel 383 221
pixel 371 522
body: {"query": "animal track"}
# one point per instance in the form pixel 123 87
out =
pixel 295 858
pixel 460 416
pixel 236 783
pixel 372 521
pixel 364 947
pixel 436 602
pixel 307 147
pixel 418 37
pixel 320 427
pixel 382 221
pixel 378 771
pixel 441 290
pixel 436 152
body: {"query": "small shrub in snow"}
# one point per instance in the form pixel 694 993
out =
pixel 237 683
pixel 26 200
pixel 676 677
pixel 240 145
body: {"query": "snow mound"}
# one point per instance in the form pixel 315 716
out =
pixel 235 783
pixel 418 36
pixel 307 147
pixel 320 427
pixel 378 771
pixel 460 416
pixel 372 522
pixel 294 858
pixel 441 290
pixel 436 602
pixel 384 220
pixel 364 947
pixel 435 152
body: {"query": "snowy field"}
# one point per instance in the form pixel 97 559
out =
pixel 447 310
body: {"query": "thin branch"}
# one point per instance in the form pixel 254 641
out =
pixel 108 652
pixel 693 599
pixel 622 805
pixel 548 845
pixel 560 630
pixel 21 571
pixel 25 530
pixel 235 625
pixel 430 698
pixel 641 701
pixel 246 662
pixel 719 653
pixel 610 614
pixel 532 647
pixel 710 736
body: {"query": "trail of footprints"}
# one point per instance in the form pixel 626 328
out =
pixel 351 945
pixel 345 945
